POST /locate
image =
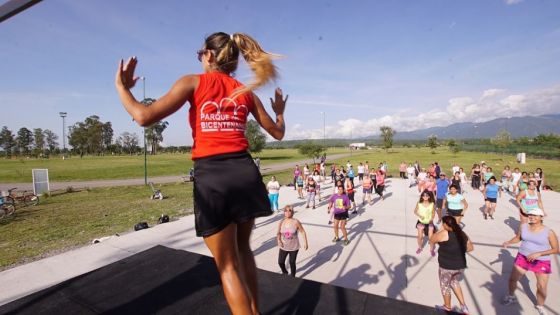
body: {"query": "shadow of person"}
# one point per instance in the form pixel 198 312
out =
pixel 513 223
pixel 359 227
pixel 498 285
pixel 387 195
pixel 358 277
pixel 513 202
pixel 324 255
pixel 266 245
pixel 398 275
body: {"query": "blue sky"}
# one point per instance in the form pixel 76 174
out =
pixel 406 64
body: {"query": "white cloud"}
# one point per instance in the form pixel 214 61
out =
pixel 492 93
pixel 459 109
pixel 511 2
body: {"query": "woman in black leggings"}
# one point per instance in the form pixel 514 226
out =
pixel 288 241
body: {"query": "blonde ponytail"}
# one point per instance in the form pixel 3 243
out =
pixel 259 61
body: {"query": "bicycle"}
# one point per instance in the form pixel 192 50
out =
pixel 25 197
pixel 7 207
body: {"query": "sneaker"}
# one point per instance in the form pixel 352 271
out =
pixel 313 207
pixel 418 251
pixel 509 299
pixel 355 212
pixel 443 308
pixel 346 242
pixel 307 207
pixel 335 239
pixel 541 310
pixel 433 252
pixel 491 216
pixel 464 309
pixel 330 222
pixel 485 216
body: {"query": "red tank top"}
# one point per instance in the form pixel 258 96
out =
pixel 217 121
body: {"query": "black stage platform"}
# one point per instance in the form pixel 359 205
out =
pixel 161 280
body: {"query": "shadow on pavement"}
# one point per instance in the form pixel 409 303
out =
pixel 324 255
pixel 398 275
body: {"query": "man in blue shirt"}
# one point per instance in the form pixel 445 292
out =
pixel 442 185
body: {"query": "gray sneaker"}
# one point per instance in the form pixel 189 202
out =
pixel 509 299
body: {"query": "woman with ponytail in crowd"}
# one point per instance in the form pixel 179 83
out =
pixel 225 210
pixel 453 246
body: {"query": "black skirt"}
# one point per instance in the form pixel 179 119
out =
pixel 228 188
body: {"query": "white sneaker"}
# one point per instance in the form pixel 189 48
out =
pixel 541 310
pixel 509 299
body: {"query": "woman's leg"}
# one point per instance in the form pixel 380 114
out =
pixel 282 254
pixel 335 226
pixel 420 237
pixel 430 233
pixel 223 246
pixel 275 200
pixel 486 208
pixel 247 260
pixel 492 209
pixel 516 274
pixel 542 284
pixel 343 227
pixel 293 257
pixel 457 287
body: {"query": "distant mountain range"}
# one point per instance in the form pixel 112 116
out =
pixel 529 126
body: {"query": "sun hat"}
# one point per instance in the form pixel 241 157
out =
pixel 536 211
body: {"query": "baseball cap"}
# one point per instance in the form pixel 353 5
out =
pixel 536 211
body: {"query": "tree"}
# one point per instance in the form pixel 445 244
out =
pixel 7 141
pixel 311 150
pixel 387 134
pixel 154 134
pixel 129 142
pixel 432 143
pixel 255 136
pixel 502 139
pixel 39 140
pixel 91 136
pixel 453 146
pixel 24 140
pixel 50 138
pixel 106 135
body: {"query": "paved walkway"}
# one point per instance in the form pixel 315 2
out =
pixel 265 169
pixel 380 259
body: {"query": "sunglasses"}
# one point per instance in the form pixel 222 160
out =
pixel 289 210
pixel 199 54
pixel 426 196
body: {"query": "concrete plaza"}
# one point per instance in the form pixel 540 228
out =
pixel 381 258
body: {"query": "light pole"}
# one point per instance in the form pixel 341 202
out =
pixel 144 131
pixel 63 115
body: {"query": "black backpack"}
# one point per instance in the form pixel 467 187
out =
pixel 141 226
pixel 163 219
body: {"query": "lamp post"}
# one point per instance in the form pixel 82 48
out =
pixel 144 132
pixel 63 115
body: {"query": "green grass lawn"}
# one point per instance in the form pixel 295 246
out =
pixel 121 167
pixel 66 220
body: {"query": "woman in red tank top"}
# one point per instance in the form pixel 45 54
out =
pixel 219 108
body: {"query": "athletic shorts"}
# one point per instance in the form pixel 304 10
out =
pixel 360 176
pixel 536 266
pixel 492 200
pixel 425 227
pixel 455 213
pixel 341 216
pixel 439 203
pixel 367 190
pixel 228 189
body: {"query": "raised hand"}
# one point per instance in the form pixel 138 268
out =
pixel 125 74
pixel 279 103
